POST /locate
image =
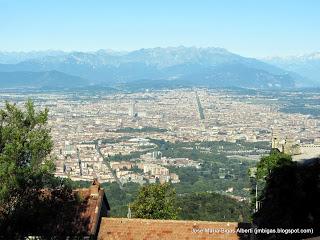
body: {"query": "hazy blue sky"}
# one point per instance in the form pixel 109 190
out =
pixel 248 27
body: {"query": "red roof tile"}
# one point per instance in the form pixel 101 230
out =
pixel 90 209
pixel 138 229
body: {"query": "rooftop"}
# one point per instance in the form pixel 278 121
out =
pixel 138 229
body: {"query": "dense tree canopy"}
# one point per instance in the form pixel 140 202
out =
pixel 269 163
pixel 212 207
pixel 156 201
pixel 26 170
pixel 25 144
pixel 288 193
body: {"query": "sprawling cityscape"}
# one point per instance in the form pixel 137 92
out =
pixel 111 136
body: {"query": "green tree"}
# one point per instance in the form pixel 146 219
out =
pixel 268 163
pixel 212 207
pixel 26 168
pixel 262 172
pixel 291 200
pixel 156 201
pixel 25 144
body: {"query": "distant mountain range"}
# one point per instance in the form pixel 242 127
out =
pixel 306 65
pixel 144 68
pixel 47 79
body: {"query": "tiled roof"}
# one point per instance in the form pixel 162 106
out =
pixel 146 229
pixel 81 212
pixel 90 210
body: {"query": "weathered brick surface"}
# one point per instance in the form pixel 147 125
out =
pixel 145 229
